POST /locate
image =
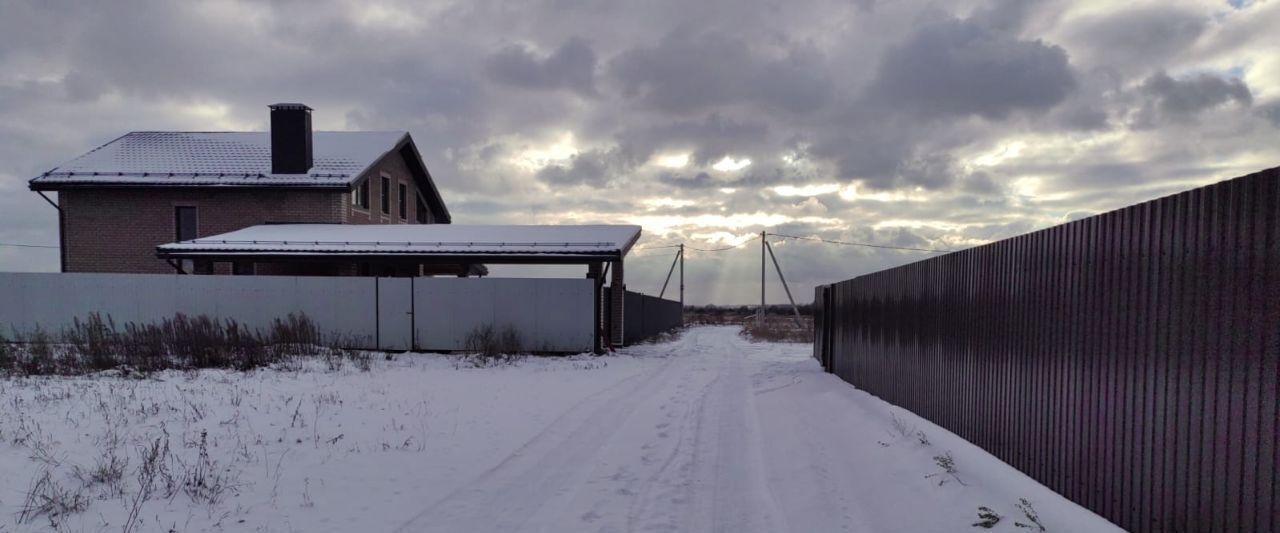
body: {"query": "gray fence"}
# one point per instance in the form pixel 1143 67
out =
pixel 1127 360
pixel 387 313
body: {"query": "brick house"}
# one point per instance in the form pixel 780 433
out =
pixel 121 200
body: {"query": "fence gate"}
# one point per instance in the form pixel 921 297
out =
pixel 395 313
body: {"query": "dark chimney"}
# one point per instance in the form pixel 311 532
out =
pixel 290 139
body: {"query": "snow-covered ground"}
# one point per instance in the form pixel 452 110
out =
pixel 707 433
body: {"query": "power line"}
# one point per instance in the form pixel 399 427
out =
pixel 739 245
pixel 845 243
pixel 15 245
pixel 816 239
pixel 726 248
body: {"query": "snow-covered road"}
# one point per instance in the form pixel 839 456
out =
pixel 720 434
pixel 709 432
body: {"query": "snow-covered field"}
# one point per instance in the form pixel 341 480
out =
pixel 706 433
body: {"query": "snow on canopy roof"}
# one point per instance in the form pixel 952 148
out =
pixel 412 239
pixel 178 158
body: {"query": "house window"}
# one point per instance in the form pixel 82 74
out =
pixel 403 199
pixel 185 220
pixel 360 198
pixel 243 268
pixel 422 211
pixel 185 227
pixel 386 195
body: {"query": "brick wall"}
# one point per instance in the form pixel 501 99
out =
pixel 117 230
pixel 393 167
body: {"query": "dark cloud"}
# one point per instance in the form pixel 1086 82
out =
pixel 708 139
pixel 980 183
pixel 961 67
pixel 594 167
pixel 1138 39
pixel 1005 16
pixel 897 97
pixel 762 177
pixel 1180 100
pixel 701 180
pixel 933 171
pixel 1195 93
pixel 690 71
pixel 1271 112
pixel 1099 176
pixel 869 154
pixel 572 66
pixel 1083 117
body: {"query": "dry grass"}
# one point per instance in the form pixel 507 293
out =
pixel 181 342
pixel 779 329
pixel 489 345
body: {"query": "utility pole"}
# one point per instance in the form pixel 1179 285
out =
pixel 760 313
pixel 782 278
pixel 674 260
pixel 681 277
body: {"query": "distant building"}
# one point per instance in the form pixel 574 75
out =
pixel 122 200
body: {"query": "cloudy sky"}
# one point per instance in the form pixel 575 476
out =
pixel 896 122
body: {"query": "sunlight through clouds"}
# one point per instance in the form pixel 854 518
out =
pixel 917 224
pixel 915 121
pixel 1000 154
pixel 673 160
pixel 729 164
pixel 534 158
pixel 806 190
pixel 656 203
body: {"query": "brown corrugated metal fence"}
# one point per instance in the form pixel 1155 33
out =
pixel 646 316
pixel 1126 360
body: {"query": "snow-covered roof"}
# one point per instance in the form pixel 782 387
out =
pixel 412 239
pixel 175 158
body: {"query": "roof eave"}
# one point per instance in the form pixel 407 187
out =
pixel 357 175
pixel 36 185
pixel 408 256
pixel 447 218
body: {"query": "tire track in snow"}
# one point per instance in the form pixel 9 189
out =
pixel 676 448
pixel 731 457
pixel 666 493
pixel 712 478
pixel 547 470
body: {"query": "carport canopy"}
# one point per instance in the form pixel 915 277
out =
pixel 415 243
pixel 464 249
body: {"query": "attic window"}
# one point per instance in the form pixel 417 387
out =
pixel 402 194
pixel 386 195
pixel 360 197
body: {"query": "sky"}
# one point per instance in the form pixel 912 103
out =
pixel 924 124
